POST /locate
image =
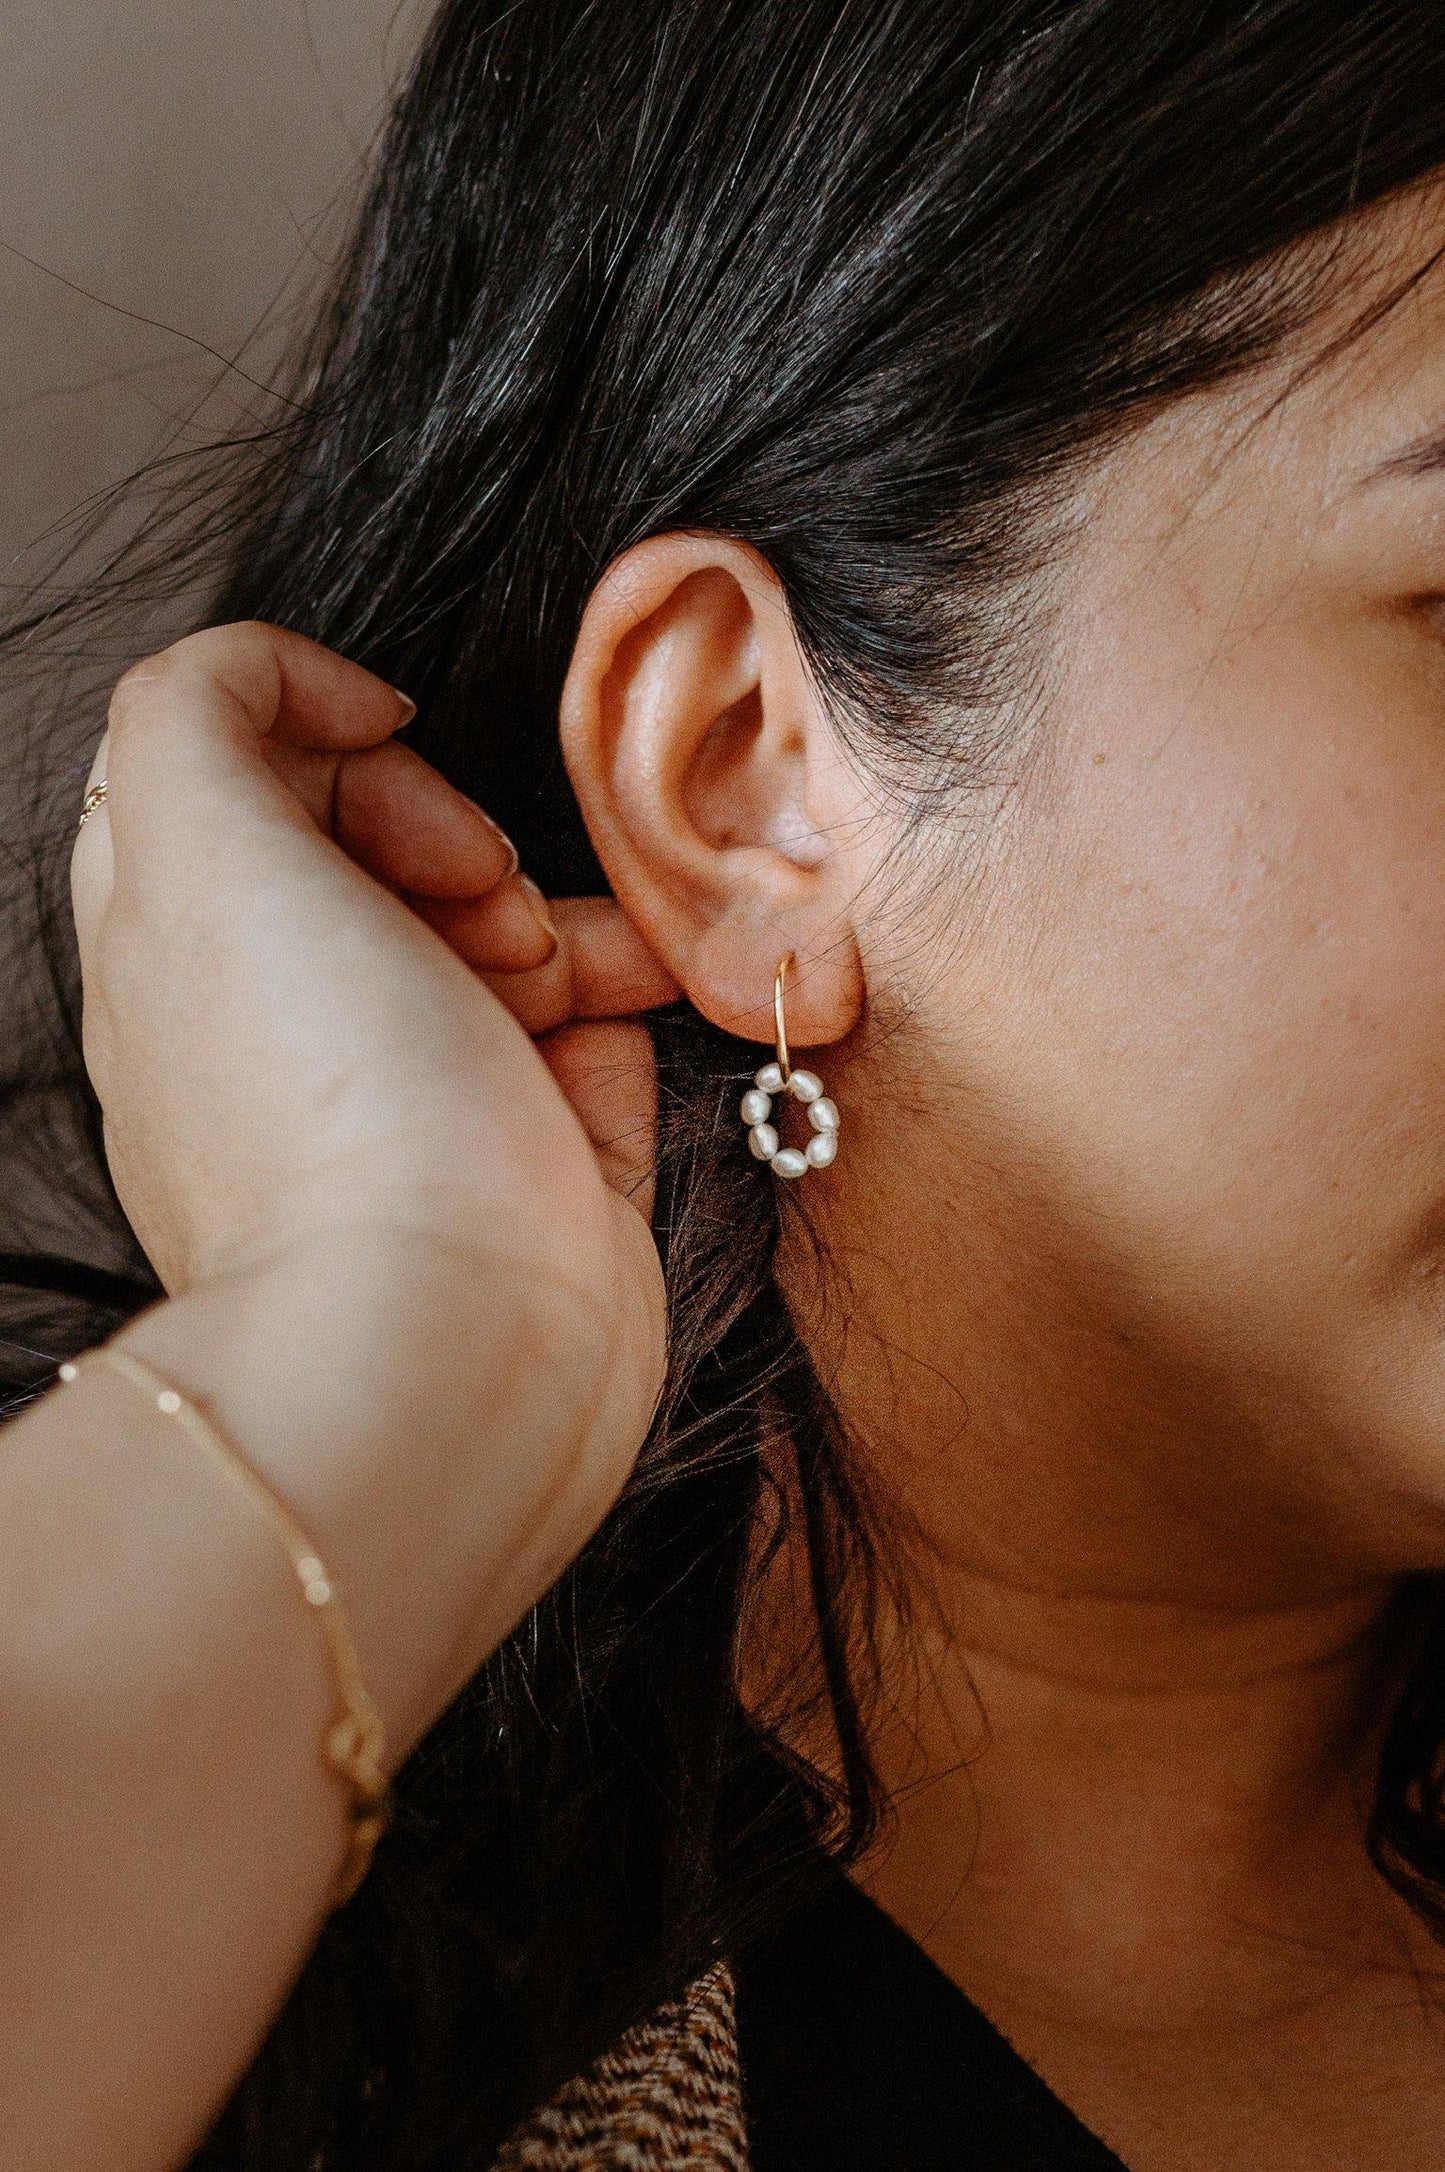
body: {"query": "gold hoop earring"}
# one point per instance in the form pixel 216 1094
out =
pixel 804 1086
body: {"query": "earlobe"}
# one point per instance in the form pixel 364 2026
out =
pixel 712 783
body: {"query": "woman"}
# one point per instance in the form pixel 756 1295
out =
pixel 949 496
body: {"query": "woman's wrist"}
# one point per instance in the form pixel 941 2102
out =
pixel 165 1697
pixel 424 1412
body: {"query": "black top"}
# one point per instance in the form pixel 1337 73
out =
pixel 859 2055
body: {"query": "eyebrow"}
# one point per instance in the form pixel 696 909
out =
pixel 1424 455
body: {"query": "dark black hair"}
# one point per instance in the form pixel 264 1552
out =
pixel 863 283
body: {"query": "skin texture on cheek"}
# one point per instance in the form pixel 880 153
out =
pixel 1265 887
pixel 1171 1305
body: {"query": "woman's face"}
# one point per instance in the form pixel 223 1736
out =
pixel 1150 1230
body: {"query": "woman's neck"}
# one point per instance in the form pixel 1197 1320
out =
pixel 1129 1728
pixel 1135 1814
pixel 1135 1836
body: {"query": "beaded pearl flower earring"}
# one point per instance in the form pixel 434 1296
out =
pixel 804 1086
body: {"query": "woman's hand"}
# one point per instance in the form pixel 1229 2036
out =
pixel 285 919
pixel 280 1041
pixel 409 1278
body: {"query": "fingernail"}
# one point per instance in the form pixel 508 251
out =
pixel 513 858
pixel 541 914
pixel 408 708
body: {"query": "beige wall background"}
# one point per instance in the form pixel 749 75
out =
pixel 172 176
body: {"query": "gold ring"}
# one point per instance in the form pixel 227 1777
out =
pixel 94 798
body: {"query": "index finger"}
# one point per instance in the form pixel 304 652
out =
pixel 190 729
pixel 266 680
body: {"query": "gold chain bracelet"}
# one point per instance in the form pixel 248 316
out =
pixel 353 1745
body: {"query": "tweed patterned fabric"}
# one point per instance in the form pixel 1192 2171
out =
pixel 666 2098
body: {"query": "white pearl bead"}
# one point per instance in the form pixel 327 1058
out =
pixel 764 1142
pixel 788 1162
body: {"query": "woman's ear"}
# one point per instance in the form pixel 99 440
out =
pixel 718 799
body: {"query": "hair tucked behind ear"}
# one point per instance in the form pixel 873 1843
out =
pixel 861 283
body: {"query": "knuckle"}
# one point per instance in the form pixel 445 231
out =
pixel 135 689
pixel 241 656
pixel 135 698
pixel 213 646
pixel 146 688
